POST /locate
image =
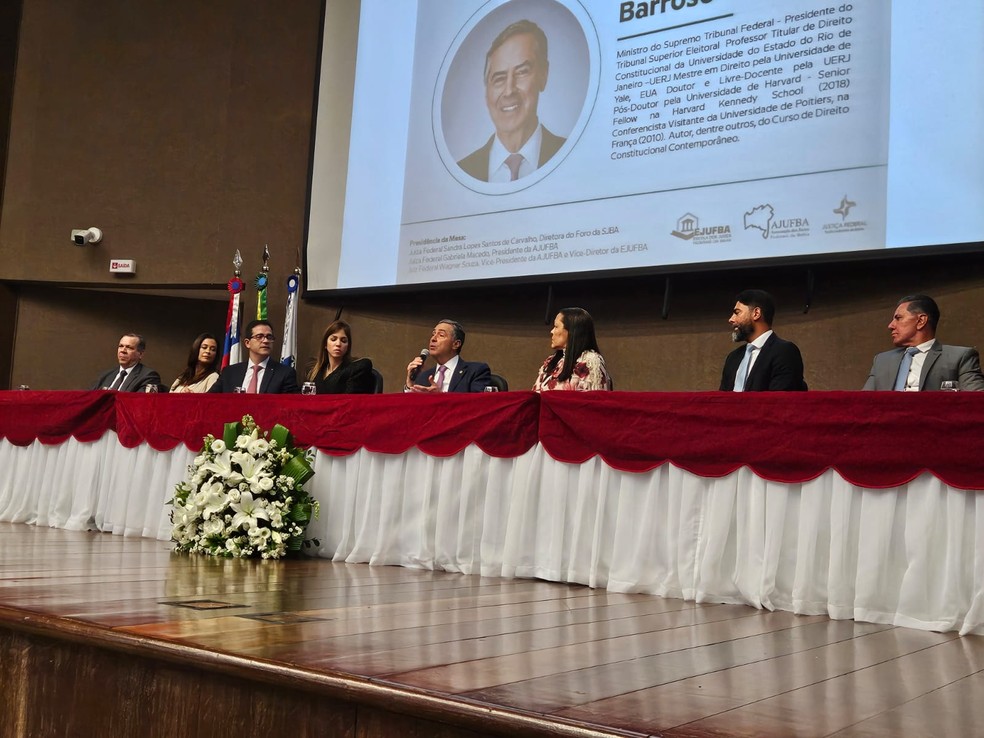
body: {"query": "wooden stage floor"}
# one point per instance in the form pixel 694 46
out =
pixel 493 656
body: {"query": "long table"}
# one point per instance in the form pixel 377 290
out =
pixel 857 505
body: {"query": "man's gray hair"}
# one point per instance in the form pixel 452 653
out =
pixel 457 331
pixel 515 29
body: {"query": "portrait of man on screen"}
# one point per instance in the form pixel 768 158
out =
pixel 516 71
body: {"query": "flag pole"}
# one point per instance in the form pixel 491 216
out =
pixel 231 349
pixel 262 279
pixel 288 355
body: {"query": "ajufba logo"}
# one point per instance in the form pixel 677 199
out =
pixel 763 219
pixel 688 228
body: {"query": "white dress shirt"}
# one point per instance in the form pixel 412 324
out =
pixel 915 368
pixel 758 343
pixel 259 373
pixel 451 365
pixel 499 170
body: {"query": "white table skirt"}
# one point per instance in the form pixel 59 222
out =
pixel 910 555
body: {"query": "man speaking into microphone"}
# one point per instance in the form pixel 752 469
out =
pixel 451 373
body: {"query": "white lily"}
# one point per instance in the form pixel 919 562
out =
pixel 248 511
pixel 184 516
pixel 252 469
pixel 221 465
pixel 215 499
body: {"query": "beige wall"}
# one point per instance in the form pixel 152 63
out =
pixel 183 131
pixel 845 326
pixel 67 337
pixel 179 129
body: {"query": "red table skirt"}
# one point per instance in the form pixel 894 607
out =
pixel 872 439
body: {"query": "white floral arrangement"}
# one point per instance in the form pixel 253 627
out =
pixel 244 495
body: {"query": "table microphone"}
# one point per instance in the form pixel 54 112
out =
pixel 424 353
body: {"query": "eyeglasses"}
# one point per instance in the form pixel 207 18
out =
pixel 265 337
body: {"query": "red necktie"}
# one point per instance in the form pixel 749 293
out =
pixel 251 388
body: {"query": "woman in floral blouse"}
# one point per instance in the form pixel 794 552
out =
pixel 576 364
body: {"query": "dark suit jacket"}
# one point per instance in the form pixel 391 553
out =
pixel 355 378
pixel 139 377
pixel 476 163
pixel 778 366
pixel 469 376
pixel 959 363
pixel 277 379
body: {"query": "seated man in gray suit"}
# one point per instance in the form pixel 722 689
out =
pixel 920 363
pixel 516 71
pixel 130 375
pixel 259 374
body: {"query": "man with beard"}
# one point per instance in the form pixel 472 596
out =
pixel 766 362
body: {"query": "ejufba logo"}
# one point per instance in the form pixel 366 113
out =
pixel 688 228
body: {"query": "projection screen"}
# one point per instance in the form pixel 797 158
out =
pixel 667 134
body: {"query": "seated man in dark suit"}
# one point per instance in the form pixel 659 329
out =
pixel 766 362
pixel 130 375
pixel 452 373
pixel 920 363
pixel 258 374
pixel 516 71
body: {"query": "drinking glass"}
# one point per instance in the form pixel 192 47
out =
pixel 23 387
pixel 151 388
pixel 491 389
pixel 308 388
pixel 949 385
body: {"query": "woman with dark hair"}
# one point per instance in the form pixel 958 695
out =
pixel 335 371
pixel 203 366
pixel 576 364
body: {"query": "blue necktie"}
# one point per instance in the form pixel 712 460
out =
pixel 903 375
pixel 742 375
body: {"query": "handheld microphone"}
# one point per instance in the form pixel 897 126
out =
pixel 424 354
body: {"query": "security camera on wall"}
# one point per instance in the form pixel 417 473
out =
pixel 89 235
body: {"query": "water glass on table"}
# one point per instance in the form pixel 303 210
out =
pixel 949 385
pixel 308 388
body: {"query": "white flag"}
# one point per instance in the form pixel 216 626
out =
pixel 289 351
